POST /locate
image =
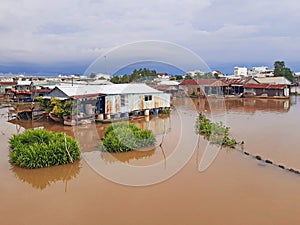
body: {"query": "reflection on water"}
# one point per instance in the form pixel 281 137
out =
pixel 247 105
pixel 43 123
pixel 42 178
pixel 254 105
pixel 126 157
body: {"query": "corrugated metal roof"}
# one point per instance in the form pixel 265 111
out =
pixel 7 83
pixel 265 86
pixel 168 82
pixel 236 81
pixel 204 82
pixel 272 80
pixel 107 89
pixel 97 82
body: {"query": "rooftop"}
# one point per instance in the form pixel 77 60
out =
pixel 76 91
pixel 272 80
pixel 265 86
pixel 204 82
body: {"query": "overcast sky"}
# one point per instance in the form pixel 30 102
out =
pixel 68 35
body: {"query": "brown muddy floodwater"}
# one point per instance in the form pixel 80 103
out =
pixel 234 189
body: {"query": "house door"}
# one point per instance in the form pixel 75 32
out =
pixel 101 104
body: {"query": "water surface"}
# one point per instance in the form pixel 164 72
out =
pixel 235 189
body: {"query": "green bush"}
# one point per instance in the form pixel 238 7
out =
pixel 123 137
pixel 41 148
pixel 216 133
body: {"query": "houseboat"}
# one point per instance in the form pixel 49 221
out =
pixel 112 102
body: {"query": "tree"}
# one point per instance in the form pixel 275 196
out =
pixel 115 80
pixel 188 77
pixel 56 106
pixel 179 77
pixel 281 70
pixel 135 76
pixel 92 75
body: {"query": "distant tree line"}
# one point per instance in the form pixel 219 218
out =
pixel 198 76
pixel 141 74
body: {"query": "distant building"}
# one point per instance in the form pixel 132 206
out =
pixel 102 76
pixel 195 73
pixel 6 86
pixel 217 73
pixel 266 90
pixel 273 80
pixel 297 77
pixel 164 76
pixel 203 87
pixel 236 85
pixel 260 69
pixel 240 71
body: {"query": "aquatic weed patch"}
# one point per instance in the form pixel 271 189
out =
pixel 216 133
pixel 124 137
pixel 41 148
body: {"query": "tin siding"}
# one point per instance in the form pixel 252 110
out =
pixel 136 102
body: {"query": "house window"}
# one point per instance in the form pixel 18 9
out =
pixel 148 98
pixel 124 100
pixel 198 89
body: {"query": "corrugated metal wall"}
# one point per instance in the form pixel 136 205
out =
pixel 135 102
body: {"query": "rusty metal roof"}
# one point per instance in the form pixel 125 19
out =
pixel 204 82
pixel 236 81
pixel 8 83
pixel 265 86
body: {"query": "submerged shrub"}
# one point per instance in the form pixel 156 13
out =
pixel 216 133
pixel 41 148
pixel 123 137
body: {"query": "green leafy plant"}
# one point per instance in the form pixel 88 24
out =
pixel 123 137
pixel 41 148
pixel 56 106
pixel 216 133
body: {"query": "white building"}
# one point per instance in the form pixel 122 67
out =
pixel 195 73
pixel 240 71
pixel 260 69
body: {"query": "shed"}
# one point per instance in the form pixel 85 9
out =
pixel 266 90
pixel 204 87
pixel 115 99
pixel 273 80
pixel 6 86
pixel 236 85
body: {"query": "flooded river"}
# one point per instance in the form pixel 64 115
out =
pixel 233 189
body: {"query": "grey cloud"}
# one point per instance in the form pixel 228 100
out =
pixel 82 30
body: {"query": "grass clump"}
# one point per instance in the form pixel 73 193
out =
pixel 41 148
pixel 124 137
pixel 217 133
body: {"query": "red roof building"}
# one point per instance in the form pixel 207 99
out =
pixel 266 90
